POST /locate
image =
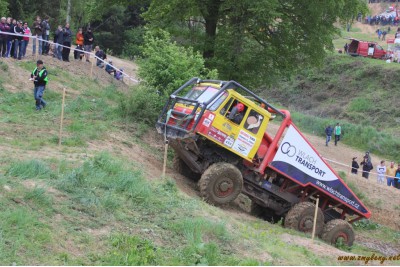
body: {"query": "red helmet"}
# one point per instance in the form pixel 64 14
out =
pixel 240 107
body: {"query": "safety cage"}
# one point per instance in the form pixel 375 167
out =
pixel 185 123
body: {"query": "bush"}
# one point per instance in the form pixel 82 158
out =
pixel 142 105
pixel 165 66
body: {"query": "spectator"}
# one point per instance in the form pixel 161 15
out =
pixel 346 48
pixel 39 77
pixel 18 29
pixel 338 132
pixel 45 35
pixel 379 32
pixel 381 170
pixel 109 68
pixel 119 75
pixel 397 179
pixel 354 166
pixel 384 35
pixel 79 45
pixel 3 37
pixel 367 166
pixel 67 39
pixel 59 40
pixel 367 154
pixel 10 41
pixel 88 43
pixel 37 32
pixel 100 55
pixel 390 172
pixel 328 133
pixel 25 40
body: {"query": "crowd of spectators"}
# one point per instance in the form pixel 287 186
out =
pixel 14 44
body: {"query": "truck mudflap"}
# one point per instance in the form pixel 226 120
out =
pixel 298 160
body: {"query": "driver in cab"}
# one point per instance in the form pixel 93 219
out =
pixel 236 115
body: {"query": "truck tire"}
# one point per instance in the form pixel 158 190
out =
pixel 221 183
pixel 338 229
pixel 301 218
pixel 182 168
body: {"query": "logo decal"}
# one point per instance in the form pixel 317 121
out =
pixel 288 149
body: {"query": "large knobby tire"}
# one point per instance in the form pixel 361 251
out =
pixel 182 168
pixel 221 183
pixel 336 230
pixel 301 218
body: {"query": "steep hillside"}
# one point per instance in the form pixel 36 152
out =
pixel 359 90
pixel 99 198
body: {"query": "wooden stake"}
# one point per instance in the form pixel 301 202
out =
pixel 315 218
pixel 165 158
pixel 62 118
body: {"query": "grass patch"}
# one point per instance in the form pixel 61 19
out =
pixel 30 169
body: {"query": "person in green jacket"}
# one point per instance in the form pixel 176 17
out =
pixel 338 132
pixel 39 78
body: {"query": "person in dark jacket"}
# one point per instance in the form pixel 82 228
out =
pixel 39 78
pixel 10 40
pixel 18 29
pixel 88 43
pixel 67 39
pixel 367 166
pixel 354 166
pixel 397 179
pixel 3 38
pixel 37 32
pixel 45 35
pixel 59 40
pixel 328 132
pixel 100 56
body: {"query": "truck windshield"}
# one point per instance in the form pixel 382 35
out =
pixel 202 93
pixel 205 93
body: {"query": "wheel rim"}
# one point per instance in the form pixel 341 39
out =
pixel 342 236
pixel 223 187
pixel 306 224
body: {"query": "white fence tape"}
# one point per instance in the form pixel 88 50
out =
pixel 50 42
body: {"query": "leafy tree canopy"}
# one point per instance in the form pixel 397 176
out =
pixel 255 41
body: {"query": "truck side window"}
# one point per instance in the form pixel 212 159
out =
pixel 253 121
pixel 226 107
pixel 236 112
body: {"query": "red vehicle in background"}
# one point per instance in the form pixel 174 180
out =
pixel 366 49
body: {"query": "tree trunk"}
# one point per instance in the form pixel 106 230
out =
pixel 68 11
pixel 210 12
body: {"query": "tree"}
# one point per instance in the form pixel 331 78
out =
pixel 258 40
pixel 3 8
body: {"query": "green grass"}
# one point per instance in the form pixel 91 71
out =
pixel 150 223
